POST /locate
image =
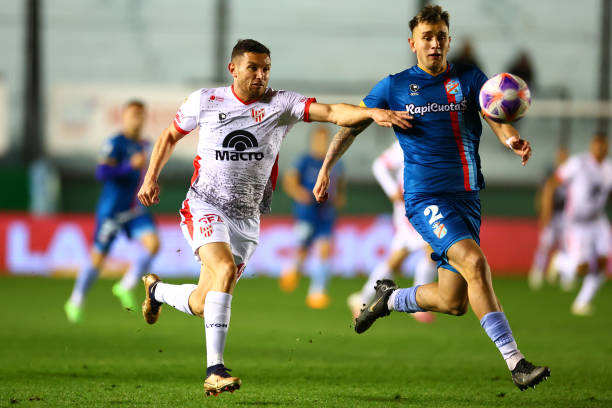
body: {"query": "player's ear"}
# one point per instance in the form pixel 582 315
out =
pixel 411 43
pixel 231 67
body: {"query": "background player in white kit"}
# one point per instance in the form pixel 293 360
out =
pixel 241 130
pixel 588 177
pixel 388 169
pixel 550 241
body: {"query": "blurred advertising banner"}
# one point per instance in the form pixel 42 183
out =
pixel 4 137
pixel 59 245
pixel 82 116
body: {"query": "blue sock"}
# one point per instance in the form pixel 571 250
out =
pixel 319 277
pixel 86 278
pixel 497 328
pixel 405 300
pixel 140 268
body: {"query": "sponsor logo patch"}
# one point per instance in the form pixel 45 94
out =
pixel 235 146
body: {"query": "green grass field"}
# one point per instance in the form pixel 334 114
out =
pixel 290 356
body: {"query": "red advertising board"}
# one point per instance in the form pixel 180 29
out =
pixel 60 244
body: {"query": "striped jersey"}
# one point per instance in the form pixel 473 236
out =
pixel 238 144
pixel 441 149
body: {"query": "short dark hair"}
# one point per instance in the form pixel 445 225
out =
pixel 600 136
pixel 134 102
pixel 249 45
pixel 430 14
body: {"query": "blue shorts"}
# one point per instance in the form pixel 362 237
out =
pixel 308 230
pixel 443 219
pixel 108 227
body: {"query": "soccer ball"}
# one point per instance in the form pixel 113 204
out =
pixel 504 98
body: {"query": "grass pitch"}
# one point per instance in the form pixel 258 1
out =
pixel 291 356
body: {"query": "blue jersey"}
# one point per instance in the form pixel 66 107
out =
pixel 120 188
pixel 308 169
pixel 441 149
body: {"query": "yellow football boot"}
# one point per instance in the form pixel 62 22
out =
pixel 317 300
pixel 289 280
pixel 150 307
pixel 220 381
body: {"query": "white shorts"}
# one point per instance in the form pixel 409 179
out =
pixel 551 236
pixel 405 234
pixel 202 224
pixel 586 241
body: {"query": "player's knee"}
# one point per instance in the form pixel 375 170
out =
pixel 457 309
pixel 151 243
pixel 227 272
pixel 154 247
pixel 455 306
pixel 476 267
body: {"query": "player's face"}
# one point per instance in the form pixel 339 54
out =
pixel 251 72
pixel 133 120
pixel 599 148
pixel 430 43
pixel 318 142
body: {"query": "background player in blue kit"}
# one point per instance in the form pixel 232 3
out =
pixel 314 221
pixel 120 168
pixel 441 182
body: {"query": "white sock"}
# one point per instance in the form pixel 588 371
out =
pixel 511 354
pixel 382 271
pixel 425 271
pixel 391 301
pixel 591 284
pixel 567 268
pixel 217 311
pixel 176 296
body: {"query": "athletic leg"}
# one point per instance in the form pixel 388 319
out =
pixel 317 292
pixel 86 278
pixel 123 289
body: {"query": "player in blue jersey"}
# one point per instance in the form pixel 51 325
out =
pixel 314 221
pixel 120 169
pixel 441 182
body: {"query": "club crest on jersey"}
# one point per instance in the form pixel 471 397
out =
pixel 258 114
pixel 222 116
pixel 414 89
pixel 452 86
pixel 235 145
pixel 439 229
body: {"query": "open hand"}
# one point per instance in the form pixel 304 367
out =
pixel 389 118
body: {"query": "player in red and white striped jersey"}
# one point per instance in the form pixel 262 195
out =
pixel 241 130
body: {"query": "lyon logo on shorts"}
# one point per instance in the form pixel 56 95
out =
pixel 439 229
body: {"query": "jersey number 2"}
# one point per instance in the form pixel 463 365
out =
pixel 435 213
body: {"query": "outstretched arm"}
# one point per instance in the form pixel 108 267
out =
pixel 162 150
pixel 339 144
pixel 509 136
pixel 350 116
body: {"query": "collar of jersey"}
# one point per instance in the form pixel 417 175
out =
pixel 448 67
pixel 243 102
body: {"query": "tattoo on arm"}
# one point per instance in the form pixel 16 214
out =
pixel 341 142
